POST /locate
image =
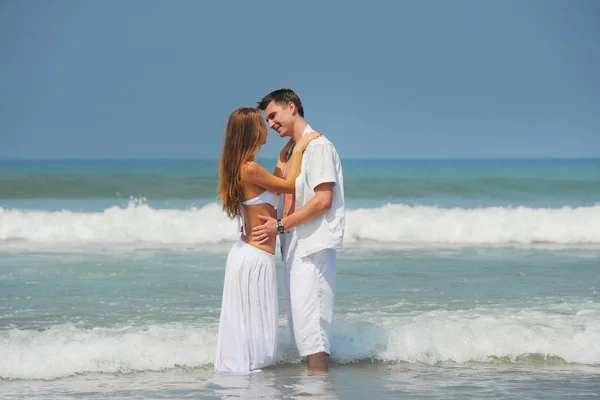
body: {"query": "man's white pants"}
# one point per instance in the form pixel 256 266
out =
pixel 309 291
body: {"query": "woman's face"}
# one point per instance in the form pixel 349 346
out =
pixel 263 132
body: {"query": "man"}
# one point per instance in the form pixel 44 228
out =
pixel 311 227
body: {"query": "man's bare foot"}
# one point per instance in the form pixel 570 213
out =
pixel 318 362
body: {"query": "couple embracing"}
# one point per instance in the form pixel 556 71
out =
pixel 302 202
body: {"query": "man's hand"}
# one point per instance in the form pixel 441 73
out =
pixel 262 233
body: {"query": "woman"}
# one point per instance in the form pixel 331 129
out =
pixel 247 338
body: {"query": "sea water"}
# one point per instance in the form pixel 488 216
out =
pixel 459 278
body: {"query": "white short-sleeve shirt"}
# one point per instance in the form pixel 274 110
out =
pixel 320 164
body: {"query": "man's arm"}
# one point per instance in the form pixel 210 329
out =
pixel 316 206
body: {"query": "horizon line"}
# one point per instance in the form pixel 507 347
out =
pixel 507 158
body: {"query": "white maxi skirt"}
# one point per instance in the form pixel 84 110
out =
pixel 247 338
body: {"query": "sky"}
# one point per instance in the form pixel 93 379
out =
pixel 381 79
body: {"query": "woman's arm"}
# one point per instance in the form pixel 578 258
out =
pixel 283 158
pixel 258 175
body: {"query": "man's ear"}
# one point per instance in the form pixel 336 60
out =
pixel 292 107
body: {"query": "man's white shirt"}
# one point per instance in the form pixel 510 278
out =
pixel 320 164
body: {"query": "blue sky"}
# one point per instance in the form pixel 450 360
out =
pixel 390 79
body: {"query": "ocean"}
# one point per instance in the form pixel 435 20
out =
pixel 459 279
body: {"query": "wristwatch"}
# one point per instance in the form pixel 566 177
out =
pixel 280 227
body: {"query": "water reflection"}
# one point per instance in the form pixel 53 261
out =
pixel 274 383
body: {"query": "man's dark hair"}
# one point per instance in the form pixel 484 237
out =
pixel 282 97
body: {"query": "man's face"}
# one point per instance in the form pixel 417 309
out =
pixel 280 119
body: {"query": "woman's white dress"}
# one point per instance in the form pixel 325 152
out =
pixel 247 337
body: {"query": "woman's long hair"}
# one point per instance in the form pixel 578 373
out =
pixel 242 138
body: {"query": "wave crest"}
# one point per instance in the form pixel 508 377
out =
pixel 392 223
pixel 459 336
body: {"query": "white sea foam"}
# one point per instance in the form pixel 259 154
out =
pixel 65 350
pixel 480 335
pixel 490 225
pixel 392 223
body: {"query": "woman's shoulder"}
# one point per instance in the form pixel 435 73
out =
pixel 252 168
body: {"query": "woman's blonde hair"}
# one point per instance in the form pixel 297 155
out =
pixel 242 138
